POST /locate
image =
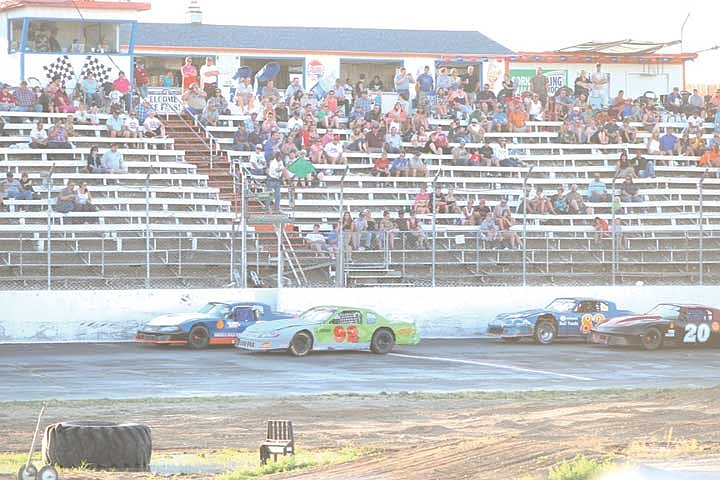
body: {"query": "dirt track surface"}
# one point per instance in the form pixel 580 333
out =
pixel 473 436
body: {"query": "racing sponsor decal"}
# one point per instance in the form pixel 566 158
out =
pixel 405 331
pixel 233 324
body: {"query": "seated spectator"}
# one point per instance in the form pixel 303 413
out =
pixel 361 236
pixel 674 100
pixel 415 231
pixel 303 170
pixel 153 126
pixel 422 202
pixel 505 223
pixel 381 167
pixel 112 160
pixel 536 110
pixel 501 155
pixel 38 136
pixel 334 151
pixel 116 126
pixel 315 240
pixel 539 203
pixel 12 188
pixel 399 165
pixel 387 230
pixel 258 162
pixel 467 212
pixel 393 141
pixel 710 158
pixel 94 161
pixel 438 202
pixel 83 200
pixel 57 136
pixel 26 100
pixel 221 105
pixel 668 144
pixel 241 139
pixel 357 140
pixel 597 191
pixel 417 166
pixel 195 100
pixel 489 231
pixel 460 155
pixel 517 118
pixel 210 115
pixel 630 191
pixel 653 143
pixel 132 126
pixel 7 99
pixel 91 90
pixel 123 87
pixel 623 168
pixel 601 229
pixel 560 202
pixel 66 198
pixel 642 166
pixel 575 201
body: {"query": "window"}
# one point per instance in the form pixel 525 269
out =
pixel 16 27
pixel 604 307
pixel 562 305
pixel 371 318
pixel 587 307
pixel 51 36
pixel 348 317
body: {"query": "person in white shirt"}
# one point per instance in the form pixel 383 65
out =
pixel 153 126
pixel 535 108
pixel 334 151
pixel 316 240
pixel 38 136
pixel 257 161
pixel 599 86
pixel 133 126
pixel 209 77
pixel 294 121
pixel 276 169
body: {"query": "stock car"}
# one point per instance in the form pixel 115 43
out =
pixel 329 328
pixel 217 323
pixel 563 317
pixel 679 324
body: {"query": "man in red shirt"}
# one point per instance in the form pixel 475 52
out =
pixel 7 99
pixel 381 167
pixel 141 79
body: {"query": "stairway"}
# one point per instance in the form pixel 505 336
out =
pixel 194 142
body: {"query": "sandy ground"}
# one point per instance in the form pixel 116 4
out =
pixel 473 436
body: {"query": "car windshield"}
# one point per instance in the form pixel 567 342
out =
pixel 562 305
pixel 215 309
pixel 668 312
pixel 319 314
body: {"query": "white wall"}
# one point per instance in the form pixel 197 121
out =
pixel 618 73
pixel 61 316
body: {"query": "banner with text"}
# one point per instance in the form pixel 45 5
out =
pixel 556 79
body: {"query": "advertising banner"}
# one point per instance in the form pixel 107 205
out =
pixel 556 79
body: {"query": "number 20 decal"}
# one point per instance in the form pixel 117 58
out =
pixel 697 333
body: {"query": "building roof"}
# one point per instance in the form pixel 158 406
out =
pixel 619 47
pixel 301 39
pixel 80 4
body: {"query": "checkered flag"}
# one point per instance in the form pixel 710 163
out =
pixel 61 67
pixel 99 71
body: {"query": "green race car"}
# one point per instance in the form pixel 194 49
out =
pixel 329 328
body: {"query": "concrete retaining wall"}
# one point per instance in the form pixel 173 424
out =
pixel 97 315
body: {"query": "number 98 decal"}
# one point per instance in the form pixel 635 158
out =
pixel 589 320
pixel 697 333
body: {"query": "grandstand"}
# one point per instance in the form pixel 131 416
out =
pixel 194 213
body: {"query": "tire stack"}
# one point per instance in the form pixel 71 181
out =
pixel 126 446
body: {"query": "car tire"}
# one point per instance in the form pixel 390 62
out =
pixel 97 444
pixel 651 339
pixel 382 342
pixel 301 344
pixel 545 333
pixel 199 337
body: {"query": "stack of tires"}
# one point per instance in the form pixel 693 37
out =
pixel 126 446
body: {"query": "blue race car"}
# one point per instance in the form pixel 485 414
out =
pixel 563 317
pixel 217 323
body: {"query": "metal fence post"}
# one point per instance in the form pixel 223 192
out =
pixel 340 266
pixel 49 227
pixel 243 240
pixel 524 239
pixel 700 244
pixel 147 230
pixel 434 227
pixel 613 233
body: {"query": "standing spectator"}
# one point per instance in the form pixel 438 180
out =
pixel 276 172
pixel 424 86
pixel 616 231
pixel 141 79
pixel 57 135
pixel 12 188
pixel 38 136
pixel 112 160
pixel 600 86
pixel 122 85
pixel 189 74
pixel 403 79
pixel 142 110
pixel 582 85
pixel 470 84
pixel 539 85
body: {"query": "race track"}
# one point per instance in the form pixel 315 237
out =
pixel 123 370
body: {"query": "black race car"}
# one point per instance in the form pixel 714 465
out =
pixel 693 325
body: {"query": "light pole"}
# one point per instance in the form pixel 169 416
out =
pixel 147 230
pixel 434 223
pixel 49 227
pixel 340 266
pixel 612 229
pixel 700 244
pixel 682 34
pixel 243 240
pixel 524 249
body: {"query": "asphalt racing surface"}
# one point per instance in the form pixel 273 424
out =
pixel 126 370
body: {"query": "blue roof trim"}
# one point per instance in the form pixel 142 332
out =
pixel 432 42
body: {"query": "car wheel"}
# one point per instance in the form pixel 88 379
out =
pixel 382 342
pixel 199 337
pixel 301 344
pixel 545 333
pixel 651 339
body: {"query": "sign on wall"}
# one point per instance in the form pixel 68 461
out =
pixel 72 68
pixel 556 79
pixel 165 102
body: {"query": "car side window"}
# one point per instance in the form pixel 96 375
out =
pixel 348 317
pixel 257 313
pixel 370 318
pixel 604 307
pixel 696 315
pixel 587 307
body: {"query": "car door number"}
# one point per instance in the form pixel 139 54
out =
pixel 589 320
pixel 697 333
pixel 349 334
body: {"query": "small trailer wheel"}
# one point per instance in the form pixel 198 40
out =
pixel 27 472
pixel 47 472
